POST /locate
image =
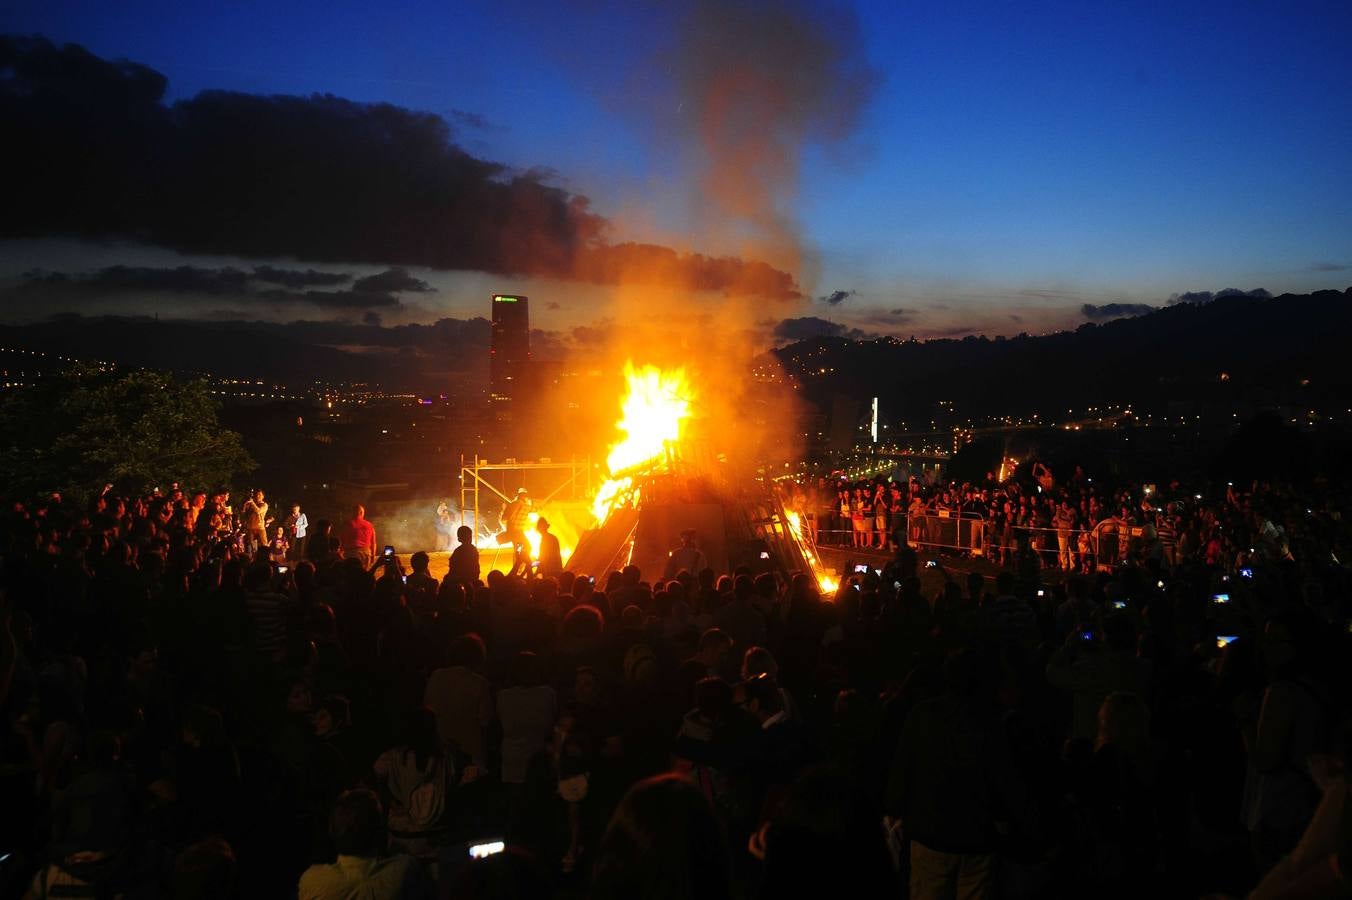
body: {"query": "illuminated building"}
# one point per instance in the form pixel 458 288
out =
pixel 509 359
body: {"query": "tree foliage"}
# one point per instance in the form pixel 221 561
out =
pixel 78 430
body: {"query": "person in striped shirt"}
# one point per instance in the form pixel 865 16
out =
pixel 267 612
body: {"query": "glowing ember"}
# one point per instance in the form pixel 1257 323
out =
pixel 653 414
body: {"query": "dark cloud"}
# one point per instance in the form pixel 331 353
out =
pixel 335 300
pixel 295 278
pixel 901 312
pixel 371 318
pixel 377 290
pixel 1208 296
pixel 835 298
pixel 1192 297
pixel 391 281
pixel 318 178
pixel 807 327
pixel 467 335
pixel 552 304
pixel 183 279
pixel 1330 267
pixel 41 277
pixel 1114 311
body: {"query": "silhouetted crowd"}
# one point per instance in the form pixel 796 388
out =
pixel 193 716
pixel 1065 523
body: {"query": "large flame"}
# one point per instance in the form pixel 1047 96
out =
pixel 652 419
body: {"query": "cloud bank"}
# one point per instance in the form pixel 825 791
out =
pixel 380 290
pixel 318 178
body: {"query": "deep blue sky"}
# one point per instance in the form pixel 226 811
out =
pixel 1017 156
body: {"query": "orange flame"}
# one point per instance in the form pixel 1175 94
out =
pixel 652 419
pixel 490 542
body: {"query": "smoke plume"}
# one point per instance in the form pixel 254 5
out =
pixel 755 84
pixel 758 80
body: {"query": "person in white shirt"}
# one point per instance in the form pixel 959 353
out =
pixel 297 525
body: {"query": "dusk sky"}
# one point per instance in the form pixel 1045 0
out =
pixel 941 168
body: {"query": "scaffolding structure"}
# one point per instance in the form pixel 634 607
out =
pixel 574 476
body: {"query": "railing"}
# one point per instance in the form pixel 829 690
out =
pixel 828 529
pixel 948 531
pixel 969 533
pixel 1112 540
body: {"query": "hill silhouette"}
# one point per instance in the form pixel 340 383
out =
pixel 1233 350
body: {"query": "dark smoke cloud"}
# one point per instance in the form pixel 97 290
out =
pixel 316 177
pixel 1108 311
pixel 1330 267
pixel 835 298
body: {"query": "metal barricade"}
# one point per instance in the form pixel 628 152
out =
pixel 948 531
pixel 1112 542
pixel 1058 548
pixel 834 530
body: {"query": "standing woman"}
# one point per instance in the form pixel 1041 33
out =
pixel 860 517
pixel 880 516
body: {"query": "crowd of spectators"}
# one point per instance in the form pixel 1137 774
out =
pixel 188 716
pixel 1065 523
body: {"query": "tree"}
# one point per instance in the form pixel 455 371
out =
pixel 75 431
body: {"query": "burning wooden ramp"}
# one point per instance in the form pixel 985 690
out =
pixel 605 548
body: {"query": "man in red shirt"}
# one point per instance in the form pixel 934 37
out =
pixel 358 538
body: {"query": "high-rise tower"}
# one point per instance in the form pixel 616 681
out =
pixel 509 357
